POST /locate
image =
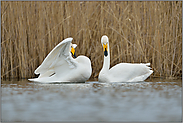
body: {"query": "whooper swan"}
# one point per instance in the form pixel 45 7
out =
pixel 122 72
pixel 60 66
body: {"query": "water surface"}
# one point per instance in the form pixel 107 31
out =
pixel 150 101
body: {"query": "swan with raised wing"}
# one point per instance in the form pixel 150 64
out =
pixel 60 66
pixel 122 72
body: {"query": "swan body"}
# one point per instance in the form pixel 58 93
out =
pixel 60 66
pixel 122 72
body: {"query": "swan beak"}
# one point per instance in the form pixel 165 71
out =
pixel 105 49
pixel 73 52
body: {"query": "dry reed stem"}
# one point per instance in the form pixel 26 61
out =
pixel 138 32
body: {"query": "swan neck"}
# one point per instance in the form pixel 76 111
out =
pixel 106 64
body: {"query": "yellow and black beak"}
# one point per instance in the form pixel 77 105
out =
pixel 73 52
pixel 105 47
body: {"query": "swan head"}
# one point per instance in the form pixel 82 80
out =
pixel 105 44
pixel 73 46
pixel 104 39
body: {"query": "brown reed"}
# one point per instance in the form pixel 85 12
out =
pixel 138 32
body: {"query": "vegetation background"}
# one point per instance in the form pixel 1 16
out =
pixel 139 32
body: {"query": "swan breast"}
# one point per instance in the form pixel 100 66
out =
pixel 84 66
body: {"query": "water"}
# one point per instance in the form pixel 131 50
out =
pixel 152 101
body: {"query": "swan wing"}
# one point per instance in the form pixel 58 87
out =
pixel 130 72
pixel 59 57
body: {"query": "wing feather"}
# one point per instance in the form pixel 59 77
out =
pixel 128 71
pixel 60 53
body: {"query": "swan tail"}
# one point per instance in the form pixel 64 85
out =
pixel 147 72
pixel 42 80
pixel 148 64
pixel 142 77
pixel 44 76
pixel 148 68
pixel 33 80
pixel 48 74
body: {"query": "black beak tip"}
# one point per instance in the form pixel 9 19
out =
pixel 105 53
pixel 73 55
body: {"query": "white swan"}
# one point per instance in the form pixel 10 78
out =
pixel 123 72
pixel 59 66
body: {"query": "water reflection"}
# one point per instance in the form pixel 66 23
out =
pixel 92 101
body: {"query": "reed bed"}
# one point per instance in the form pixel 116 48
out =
pixel 139 32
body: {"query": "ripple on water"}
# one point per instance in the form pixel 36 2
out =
pixel 92 101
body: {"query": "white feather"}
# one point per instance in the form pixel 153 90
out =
pixel 123 72
pixel 59 66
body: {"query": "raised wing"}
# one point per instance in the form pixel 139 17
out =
pixel 59 56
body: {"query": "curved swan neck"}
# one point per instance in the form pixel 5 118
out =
pixel 106 63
